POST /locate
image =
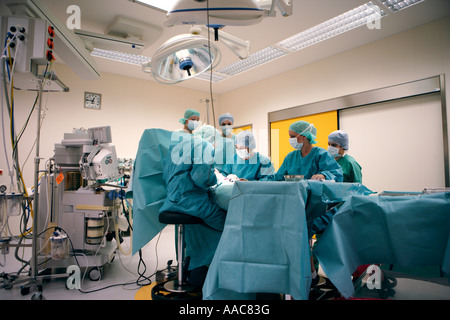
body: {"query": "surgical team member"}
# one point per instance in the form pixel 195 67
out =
pixel 190 121
pixel 189 173
pixel 311 162
pixel 337 147
pixel 246 163
pixel 222 146
pixel 225 146
pixel 338 143
pixel 226 122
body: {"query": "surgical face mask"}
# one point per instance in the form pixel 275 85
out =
pixel 192 124
pixel 243 153
pixel 334 152
pixel 226 129
pixel 295 144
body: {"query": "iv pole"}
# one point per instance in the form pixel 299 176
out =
pixel 36 184
pixel 207 101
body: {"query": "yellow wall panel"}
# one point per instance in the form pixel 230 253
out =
pixel 325 123
pixel 242 128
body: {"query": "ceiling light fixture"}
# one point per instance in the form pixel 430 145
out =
pixel 396 5
pixel 182 57
pixel 254 60
pixel 347 21
pixel 220 13
pixel 120 56
pixel 326 30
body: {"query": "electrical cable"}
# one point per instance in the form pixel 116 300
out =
pixel 211 69
pixel 3 80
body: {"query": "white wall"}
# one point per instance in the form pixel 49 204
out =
pixel 411 55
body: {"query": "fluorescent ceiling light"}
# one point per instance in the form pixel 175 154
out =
pixel 347 21
pixel 396 5
pixel 254 60
pixel 120 56
pixel 214 78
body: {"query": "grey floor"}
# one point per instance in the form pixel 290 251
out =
pixel 119 278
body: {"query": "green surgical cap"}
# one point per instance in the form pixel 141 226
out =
pixel 305 129
pixel 189 113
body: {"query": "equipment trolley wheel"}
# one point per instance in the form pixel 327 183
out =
pixel 95 273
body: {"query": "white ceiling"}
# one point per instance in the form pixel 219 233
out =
pixel 97 15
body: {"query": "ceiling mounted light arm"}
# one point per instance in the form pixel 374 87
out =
pixel 239 47
pixel 284 6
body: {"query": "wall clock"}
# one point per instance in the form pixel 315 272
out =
pixel 92 100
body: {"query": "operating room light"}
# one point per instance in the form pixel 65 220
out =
pixel 396 5
pixel 183 57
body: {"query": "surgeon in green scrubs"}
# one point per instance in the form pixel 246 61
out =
pixel 338 143
pixel 309 161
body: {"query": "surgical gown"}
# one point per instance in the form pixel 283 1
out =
pixel 318 161
pixel 251 169
pixel 350 168
pixel 188 173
